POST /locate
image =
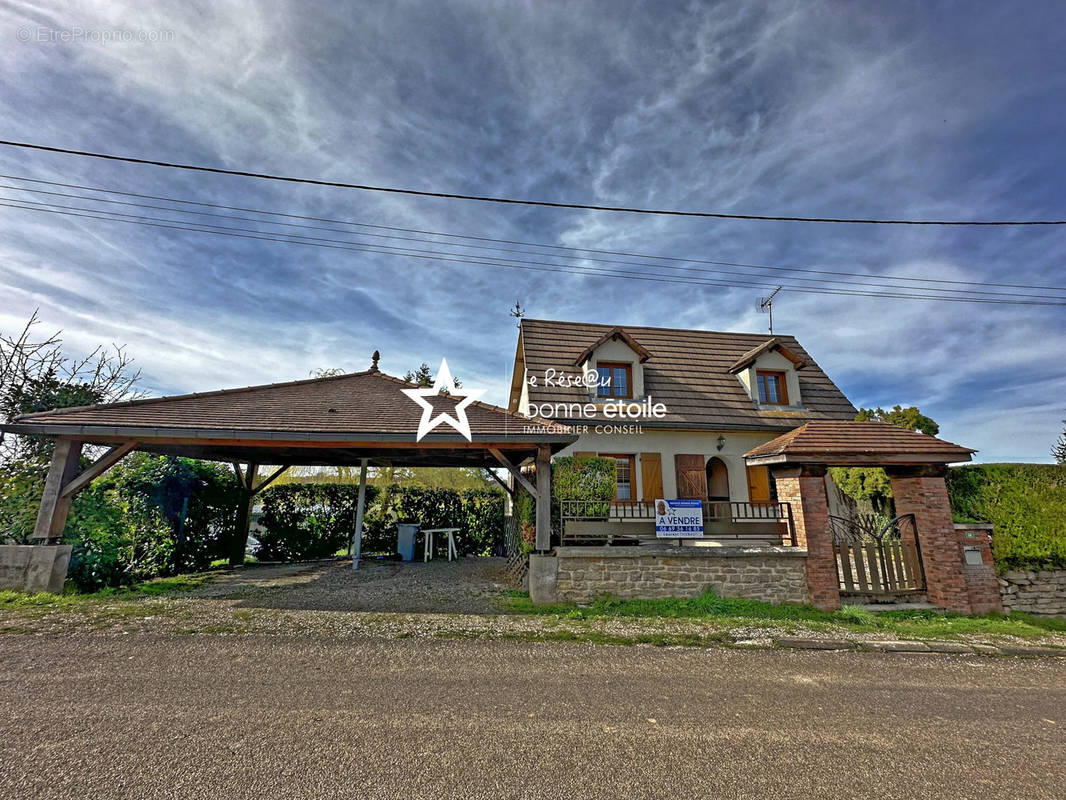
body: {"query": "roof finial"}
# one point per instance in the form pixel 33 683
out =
pixel 374 361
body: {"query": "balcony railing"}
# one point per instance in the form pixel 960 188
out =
pixel 727 518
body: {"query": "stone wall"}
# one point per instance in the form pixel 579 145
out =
pixel 1038 592
pixel 771 574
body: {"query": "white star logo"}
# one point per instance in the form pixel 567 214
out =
pixel 444 381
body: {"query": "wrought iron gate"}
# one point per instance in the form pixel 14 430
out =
pixel 874 558
pixel 517 560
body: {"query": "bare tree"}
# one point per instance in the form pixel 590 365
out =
pixel 36 375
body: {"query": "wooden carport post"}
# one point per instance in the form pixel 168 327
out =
pixel 55 505
pixel 541 490
pixel 544 498
pixel 249 489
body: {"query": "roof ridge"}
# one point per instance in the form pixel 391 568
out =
pixel 609 326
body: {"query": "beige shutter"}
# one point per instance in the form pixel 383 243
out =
pixel 651 477
pixel 691 477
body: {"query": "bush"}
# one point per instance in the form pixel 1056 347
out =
pixel 303 521
pixel 1025 502
pixel 309 520
pixel 117 540
pixel 147 516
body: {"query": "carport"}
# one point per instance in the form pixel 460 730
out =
pixel 362 418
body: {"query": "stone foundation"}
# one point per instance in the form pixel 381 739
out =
pixel 771 574
pixel 34 568
pixel 1037 592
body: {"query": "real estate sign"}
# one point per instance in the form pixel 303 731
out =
pixel 678 519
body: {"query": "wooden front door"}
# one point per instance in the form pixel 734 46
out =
pixel 691 477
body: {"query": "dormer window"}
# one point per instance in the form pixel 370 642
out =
pixel 615 379
pixel 773 387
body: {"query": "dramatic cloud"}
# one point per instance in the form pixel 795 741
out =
pixel 945 111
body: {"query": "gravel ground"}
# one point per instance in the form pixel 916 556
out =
pixel 462 599
pixel 463 586
pixel 149 716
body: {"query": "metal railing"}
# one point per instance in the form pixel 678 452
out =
pixel 714 511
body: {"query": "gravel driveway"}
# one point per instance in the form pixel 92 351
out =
pixel 463 586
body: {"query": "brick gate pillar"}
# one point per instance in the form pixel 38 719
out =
pixel 804 488
pixel 922 491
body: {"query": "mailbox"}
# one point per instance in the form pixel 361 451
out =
pixel 972 555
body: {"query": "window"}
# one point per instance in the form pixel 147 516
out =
pixel 624 470
pixel 615 380
pixel 773 389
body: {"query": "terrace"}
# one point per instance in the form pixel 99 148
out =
pixel 588 521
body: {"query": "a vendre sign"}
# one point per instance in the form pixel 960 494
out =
pixel 678 519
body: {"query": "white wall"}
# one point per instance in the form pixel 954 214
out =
pixel 670 443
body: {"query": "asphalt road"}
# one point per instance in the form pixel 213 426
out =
pixel 145 716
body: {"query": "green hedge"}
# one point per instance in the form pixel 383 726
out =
pixel 303 521
pixel 147 516
pixel 1025 502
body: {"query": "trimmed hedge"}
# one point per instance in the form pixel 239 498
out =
pixel 305 521
pixel 1025 502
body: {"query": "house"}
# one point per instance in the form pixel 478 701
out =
pixel 718 395
pixel 738 428
pixel 747 426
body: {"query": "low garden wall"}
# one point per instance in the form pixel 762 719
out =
pixel 1035 591
pixel 580 574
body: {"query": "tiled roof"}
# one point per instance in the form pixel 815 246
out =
pixel 752 355
pixel 367 402
pixel 838 443
pixel 688 371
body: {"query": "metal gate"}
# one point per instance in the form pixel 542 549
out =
pixel 517 560
pixel 877 558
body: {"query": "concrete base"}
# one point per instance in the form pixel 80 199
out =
pixel 34 568
pixel 543 579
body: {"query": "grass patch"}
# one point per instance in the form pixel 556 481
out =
pixel 46 602
pixel 709 607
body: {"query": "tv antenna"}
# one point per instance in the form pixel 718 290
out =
pixel 765 305
pixel 517 312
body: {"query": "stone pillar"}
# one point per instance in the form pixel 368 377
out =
pixel 921 491
pixel 804 488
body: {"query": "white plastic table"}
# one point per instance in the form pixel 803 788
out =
pixel 452 551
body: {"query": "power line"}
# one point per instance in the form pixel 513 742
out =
pixel 652 277
pixel 739 265
pixel 818 282
pixel 514 201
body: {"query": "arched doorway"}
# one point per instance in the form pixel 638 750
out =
pixel 717 480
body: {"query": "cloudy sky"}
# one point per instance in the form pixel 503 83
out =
pixel 946 110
